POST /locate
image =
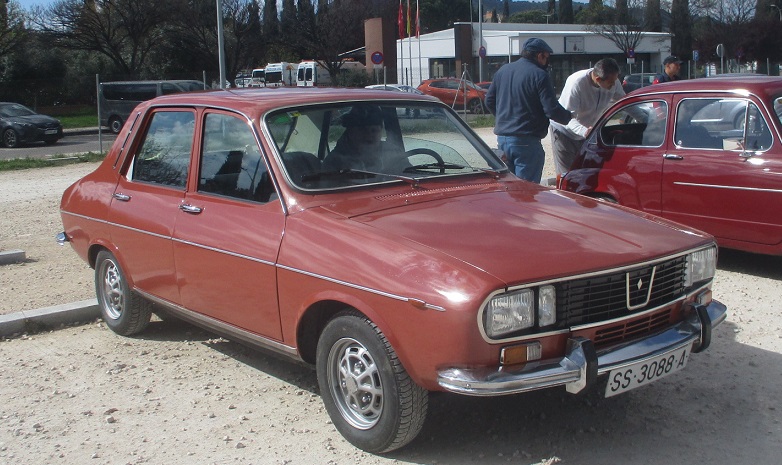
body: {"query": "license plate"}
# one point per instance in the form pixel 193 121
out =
pixel 642 373
pixel 51 131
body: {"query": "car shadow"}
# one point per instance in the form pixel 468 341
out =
pixel 290 371
pixel 766 266
pixel 718 405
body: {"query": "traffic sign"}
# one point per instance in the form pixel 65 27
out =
pixel 377 58
pixel 482 52
pixel 695 55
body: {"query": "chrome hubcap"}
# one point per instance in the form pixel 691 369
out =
pixel 355 382
pixel 113 296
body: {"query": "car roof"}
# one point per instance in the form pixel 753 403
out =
pixel 260 100
pixel 749 83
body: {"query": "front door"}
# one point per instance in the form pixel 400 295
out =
pixel 229 231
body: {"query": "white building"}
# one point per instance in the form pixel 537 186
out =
pixel 456 52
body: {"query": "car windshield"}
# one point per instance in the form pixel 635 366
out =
pixel 330 147
pixel 15 110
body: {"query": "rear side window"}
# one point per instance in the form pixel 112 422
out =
pixel 164 155
pixel 130 91
pixel 642 124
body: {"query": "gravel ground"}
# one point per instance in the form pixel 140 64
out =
pixel 176 394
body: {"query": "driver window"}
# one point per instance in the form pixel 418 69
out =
pixel 231 164
pixel 640 124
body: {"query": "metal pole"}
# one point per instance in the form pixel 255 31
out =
pixel 480 40
pixel 100 135
pixel 220 43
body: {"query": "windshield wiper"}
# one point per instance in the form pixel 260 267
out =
pixel 439 166
pixel 356 174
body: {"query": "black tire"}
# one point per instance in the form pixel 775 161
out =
pixel 377 407
pixel 475 106
pixel 124 312
pixel 115 124
pixel 10 138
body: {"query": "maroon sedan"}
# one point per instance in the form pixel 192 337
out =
pixel 398 256
pixel 703 152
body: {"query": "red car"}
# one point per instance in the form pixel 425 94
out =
pixel 396 257
pixel 703 152
pixel 456 93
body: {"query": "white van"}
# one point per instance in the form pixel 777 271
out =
pixel 280 74
pixel 258 78
pixel 312 73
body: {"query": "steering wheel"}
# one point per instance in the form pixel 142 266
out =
pixel 430 152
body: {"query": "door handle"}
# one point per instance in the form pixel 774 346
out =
pixel 121 197
pixel 670 156
pixel 190 209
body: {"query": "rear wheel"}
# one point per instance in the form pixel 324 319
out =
pixel 475 106
pixel 115 124
pixel 124 312
pixel 367 392
pixel 10 138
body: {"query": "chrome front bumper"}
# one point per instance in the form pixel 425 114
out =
pixel 582 364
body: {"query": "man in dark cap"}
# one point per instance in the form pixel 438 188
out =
pixel 522 99
pixel 671 67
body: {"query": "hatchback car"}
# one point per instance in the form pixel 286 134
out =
pixel 396 256
pixel 20 125
pixel 635 81
pixel 703 152
pixel 456 93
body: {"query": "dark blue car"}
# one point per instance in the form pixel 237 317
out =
pixel 20 125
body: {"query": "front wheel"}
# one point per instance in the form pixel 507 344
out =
pixel 115 124
pixel 367 392
pixel 10 138
pixel 123 311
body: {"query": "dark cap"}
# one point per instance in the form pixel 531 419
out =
pixel 671 59
pixel 363 115
pixel 536 45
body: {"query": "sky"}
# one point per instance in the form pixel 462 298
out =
pixel 27 4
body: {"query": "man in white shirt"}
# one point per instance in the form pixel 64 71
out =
pixel 587 94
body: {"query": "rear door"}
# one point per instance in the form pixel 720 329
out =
pixel 723 188
pixel 146 201
pixel 229 229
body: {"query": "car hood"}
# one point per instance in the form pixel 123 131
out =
pixel 38 120
pixel 508 231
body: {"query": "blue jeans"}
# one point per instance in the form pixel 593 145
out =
pixel 525 156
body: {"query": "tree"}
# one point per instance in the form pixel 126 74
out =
pixel 271 22
pixel 124 31
pixel 566 12
pixel 681 28
pixel 652 17
pixel 505 10
pixel 12 29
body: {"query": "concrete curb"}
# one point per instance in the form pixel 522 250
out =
pixel 48 317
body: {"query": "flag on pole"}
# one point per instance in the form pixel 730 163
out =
pixel 400 21
pixel 417 21
pixel 408 19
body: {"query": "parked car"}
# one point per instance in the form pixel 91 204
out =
pixel 484 85
pixel 396 88
pixel 635 81
pixel 20 125
pixel 436 270
pixel 703 152
pixel 456 93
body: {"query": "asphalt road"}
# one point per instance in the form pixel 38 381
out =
pixel 80 141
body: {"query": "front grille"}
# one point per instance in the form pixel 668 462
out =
pixel 604 297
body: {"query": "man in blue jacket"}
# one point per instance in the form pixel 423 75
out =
pixel 522 99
